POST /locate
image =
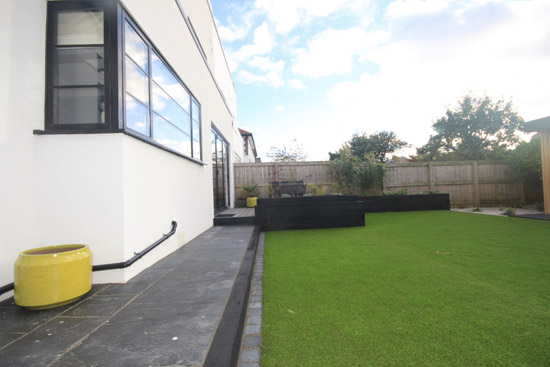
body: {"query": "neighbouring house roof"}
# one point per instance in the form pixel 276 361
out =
pixel 542 124
pixel 247 134
pixel 244 132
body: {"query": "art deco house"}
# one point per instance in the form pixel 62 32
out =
pixel 118 117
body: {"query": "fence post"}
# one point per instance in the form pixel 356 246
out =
pixel 430 177
pixel 275 171
pixel 475 174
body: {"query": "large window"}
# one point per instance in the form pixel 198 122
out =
pixel 93 48
pixel 76 81
pixel 157 104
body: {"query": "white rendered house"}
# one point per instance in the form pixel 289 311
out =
pixel 250 154
pixel 118 117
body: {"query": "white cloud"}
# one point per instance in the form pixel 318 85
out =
pixel 271 78
pixel 406 8
pixel 430 54
pixel 334 51
pixel 285 15
pixel 232 33
pixel 418 80
pixel 296 84
pixel 238 23
pixel 272 72
pixel 265 64
pixel 280 108
pixel 262 44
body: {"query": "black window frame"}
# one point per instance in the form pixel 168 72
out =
pixel 217 136
pixel 152 49
pixel 110 86
pixel 115 17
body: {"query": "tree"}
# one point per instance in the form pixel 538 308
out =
pixel 526 160
pixel 348 172
pixel 294 153
pixel 378 145
pixel 479 128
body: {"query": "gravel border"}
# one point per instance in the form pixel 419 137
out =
pixel 252 336
pixel 496 210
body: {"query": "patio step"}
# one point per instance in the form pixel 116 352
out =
pixel 235 217
pixel 187 309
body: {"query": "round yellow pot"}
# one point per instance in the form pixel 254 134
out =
pixel 251 202
pixel 52 276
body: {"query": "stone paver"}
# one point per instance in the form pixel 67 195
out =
pixel 167 315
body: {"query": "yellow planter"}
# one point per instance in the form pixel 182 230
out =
pixel 251 202
pixel 52 276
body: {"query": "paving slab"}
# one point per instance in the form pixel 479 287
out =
pixel 168 315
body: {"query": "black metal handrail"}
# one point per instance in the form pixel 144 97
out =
pixel 138 255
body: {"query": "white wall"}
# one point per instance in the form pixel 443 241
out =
pixel 21 111
pixel 111 191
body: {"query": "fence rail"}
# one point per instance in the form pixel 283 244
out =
pixel 469 183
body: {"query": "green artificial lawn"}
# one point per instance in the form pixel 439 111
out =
pixel 382 295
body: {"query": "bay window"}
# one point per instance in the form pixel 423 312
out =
pixel 105 75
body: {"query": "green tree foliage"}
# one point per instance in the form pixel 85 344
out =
pixel 526 160
pixel 350 174
pixel 377 145
pixel 292 153
pixel 478 128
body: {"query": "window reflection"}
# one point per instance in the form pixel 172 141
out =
pixel 137 116
pixel 195 112
pixel 157 105
pixel 168 135
pixel 137 82
pixel 171 111
pixel 167 81
pixel 135 47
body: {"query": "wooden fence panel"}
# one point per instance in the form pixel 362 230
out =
pixel 468 183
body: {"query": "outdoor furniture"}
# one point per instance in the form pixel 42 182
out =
pixel 292 188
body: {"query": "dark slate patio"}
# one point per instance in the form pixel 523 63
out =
pixel 171 314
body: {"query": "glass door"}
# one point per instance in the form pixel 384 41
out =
pixel 220 171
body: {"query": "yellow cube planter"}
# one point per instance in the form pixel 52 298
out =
pixel 52 276
pixel 251 202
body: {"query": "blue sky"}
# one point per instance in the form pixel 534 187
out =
pixel 319 71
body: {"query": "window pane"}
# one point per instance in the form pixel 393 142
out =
pixel 196 136
pixel 79 106
pixel 196 111
pixel 80 66
pixel 164 78
pixel 135 47
pixel 196 130
pixel 196 149
pixel 137 116
pixel 137 83
pixel 168 135
pixel 80 27
pixel 170 110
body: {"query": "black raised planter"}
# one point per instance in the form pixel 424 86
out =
pixel 405 203
pixel 309 212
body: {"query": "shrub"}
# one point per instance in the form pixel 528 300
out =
pixel 250 190
pixel 509 212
